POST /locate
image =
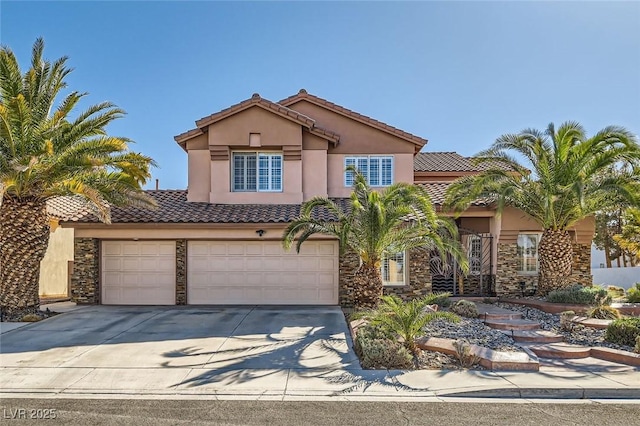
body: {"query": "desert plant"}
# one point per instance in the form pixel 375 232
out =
pixel 404 319
pixel 604 312
pixel 46 152
pixel 465 357
pixel 637 348
pixel 31 318
pixel 623 331
pixel 633 294
pixel 441 299
pixel 578 294
pixel 383 353
pixel 566 320
pixel 559 177
pixel 615 292
pixel 465 308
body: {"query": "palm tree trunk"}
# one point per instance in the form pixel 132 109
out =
pixel 556 258
pixel 24 235
pixel 367 286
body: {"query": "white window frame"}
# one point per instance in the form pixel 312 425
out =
pixel 405 269
pixel 259 155
pixel 521 257
pixel 363 164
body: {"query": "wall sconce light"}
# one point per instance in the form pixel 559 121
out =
pixel 522 287
pixel 260 232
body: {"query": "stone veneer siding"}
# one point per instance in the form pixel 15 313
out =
pixel 85 287
pixel 508 279
pixel 181 272
pixel 419 277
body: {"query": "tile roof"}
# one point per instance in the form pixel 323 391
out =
pixel 304 95
pixel 437 191
pixel 173 207
pixel 446 162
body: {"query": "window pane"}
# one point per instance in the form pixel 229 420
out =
pixel 392 269
pixel 238 172
pixel 263 173
pixel 276 173
pixel 250 182
pixel 348 177
pixel 374 171
pixel 363 167
pixel 527 252
pixel 387 175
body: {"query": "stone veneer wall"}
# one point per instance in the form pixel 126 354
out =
pixel 85 287
pixel 419 277
pixel 508 280
pixel 181 272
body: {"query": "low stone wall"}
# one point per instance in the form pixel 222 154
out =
pixel 85 278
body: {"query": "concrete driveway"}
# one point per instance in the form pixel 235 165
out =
pixel 116 348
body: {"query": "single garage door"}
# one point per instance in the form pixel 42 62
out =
pixel 261 272
pixel 138 272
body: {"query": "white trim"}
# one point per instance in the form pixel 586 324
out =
pixel 381 158
pixel 537 254
pixel 405 273
pixel 269 155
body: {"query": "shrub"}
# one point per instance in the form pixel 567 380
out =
pixel 604 312
pixel 376 350
pixel 624 331
pixel 579 295
pixel 566 323
pixel 397 318
pixel 464 355
pixel 633 294
pixel 441 299
pixel 465 308
pixel 637 348
pixel 615 292
pixel 31 318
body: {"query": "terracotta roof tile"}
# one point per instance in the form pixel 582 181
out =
pixel 173 207
pixel 304 95
pixel 446 162
pixel 437 191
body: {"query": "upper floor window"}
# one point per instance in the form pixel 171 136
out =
pixel 392 269
pixel 528 253
pixel 378 170
pixel 256 171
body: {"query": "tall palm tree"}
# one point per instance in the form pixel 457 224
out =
pixel 46 153
pixel 558 177
pixel 377 224
pixel 629 239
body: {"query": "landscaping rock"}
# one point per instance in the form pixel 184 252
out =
pixel 472 331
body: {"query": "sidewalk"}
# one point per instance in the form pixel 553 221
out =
pixel 290 384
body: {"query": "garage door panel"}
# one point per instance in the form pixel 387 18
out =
pixel 261 272
pixel 138 272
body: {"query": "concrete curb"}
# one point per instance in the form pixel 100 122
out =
pixel 553 393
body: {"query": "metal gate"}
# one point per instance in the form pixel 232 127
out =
pixel 446 276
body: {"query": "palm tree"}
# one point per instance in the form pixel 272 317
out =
pixel 46 153
pixel 629 239
pixel 377 224
pixel 558 177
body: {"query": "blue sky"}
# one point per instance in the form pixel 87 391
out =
pixel 457 73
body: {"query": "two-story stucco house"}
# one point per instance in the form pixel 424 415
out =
pixel 250 167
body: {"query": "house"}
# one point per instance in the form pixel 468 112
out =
pixel 250 166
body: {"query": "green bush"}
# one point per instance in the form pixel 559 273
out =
pixel 623 331
pixel 441 299
pixel 577 294
pixel 465 308
pixel 604 312
pixel 633 294
pixel 376 350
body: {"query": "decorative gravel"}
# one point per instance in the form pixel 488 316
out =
pixel 579 335
pixel 430 360
pixel 472 331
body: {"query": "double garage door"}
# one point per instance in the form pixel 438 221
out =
pixel 220 272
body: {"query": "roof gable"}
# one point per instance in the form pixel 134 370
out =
pixel 304 95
